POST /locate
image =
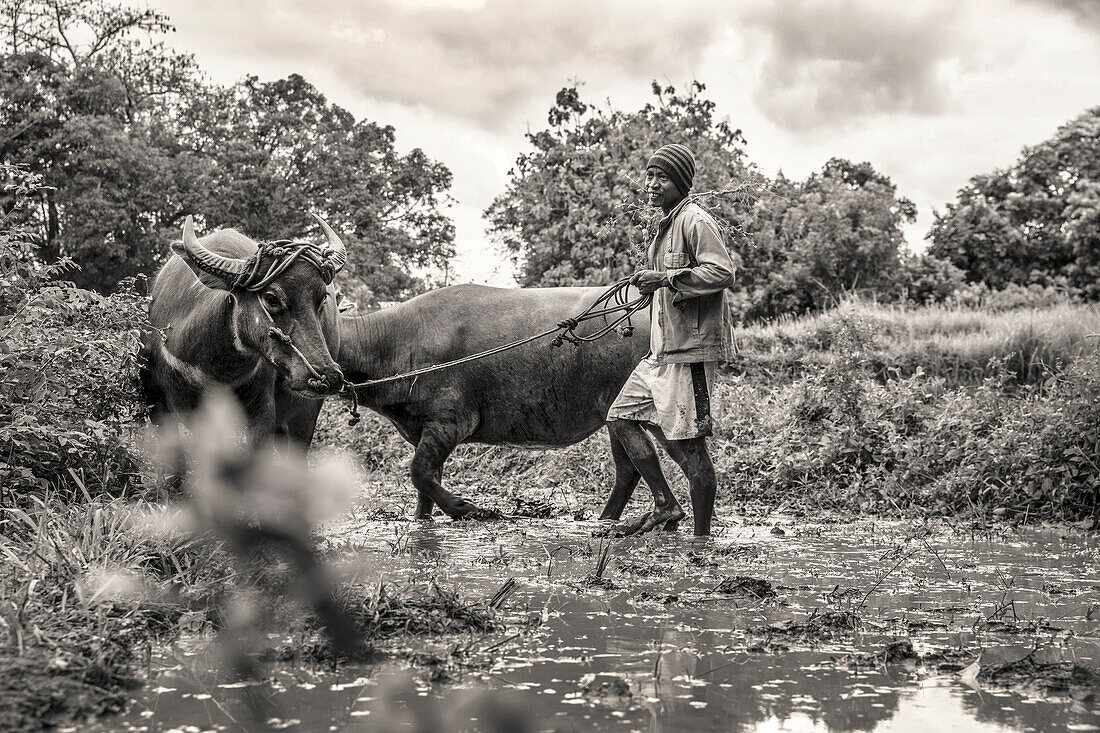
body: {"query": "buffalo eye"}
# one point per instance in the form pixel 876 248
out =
pixel 271 301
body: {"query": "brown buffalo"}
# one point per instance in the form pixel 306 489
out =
pixel 260 321
pixel 534 396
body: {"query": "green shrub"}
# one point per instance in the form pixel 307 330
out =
pixel 837 438
pixel 68 387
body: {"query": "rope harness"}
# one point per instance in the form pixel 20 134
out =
pixel 611 301
pixel 285 253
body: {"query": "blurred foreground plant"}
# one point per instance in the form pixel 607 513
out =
pixel 262 506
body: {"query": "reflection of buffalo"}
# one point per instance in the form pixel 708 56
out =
pixel 255 320
pixel 534 395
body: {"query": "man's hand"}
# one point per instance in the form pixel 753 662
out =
pixel 648 281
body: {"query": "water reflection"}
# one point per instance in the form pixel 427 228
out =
pixel 662 650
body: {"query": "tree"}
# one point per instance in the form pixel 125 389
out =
pixel 977 238
pixel 1025 224
pixel 837 232
pixel 571 214
pixel 81 114
pixel 130 139
pixel 283 151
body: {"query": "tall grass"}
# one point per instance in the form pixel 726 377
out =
pixel 959 344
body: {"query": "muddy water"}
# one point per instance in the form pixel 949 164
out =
pixel 674 636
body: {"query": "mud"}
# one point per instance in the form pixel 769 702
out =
pixel 852 625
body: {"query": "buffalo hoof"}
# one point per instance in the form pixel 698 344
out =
pixel 664 519
pixel 467 511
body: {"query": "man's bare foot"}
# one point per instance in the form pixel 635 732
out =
pixel 667 519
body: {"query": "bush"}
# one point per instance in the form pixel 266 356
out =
pixel 924 279
pixel 840 439
pixel 68 382
pixel 1013 296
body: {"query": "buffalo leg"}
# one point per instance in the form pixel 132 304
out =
pixel 436 444
pixel 424 503
pixel 694 460
pixel 626 480
pixel 643 454
pixel 301 425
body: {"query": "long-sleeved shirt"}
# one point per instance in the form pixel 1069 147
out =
pixel 687 318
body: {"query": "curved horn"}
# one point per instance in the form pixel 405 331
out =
pixel 339 252
pixel 227 268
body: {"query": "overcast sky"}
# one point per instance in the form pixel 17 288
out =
pixel 930 94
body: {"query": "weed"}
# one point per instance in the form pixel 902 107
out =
pixel 743 585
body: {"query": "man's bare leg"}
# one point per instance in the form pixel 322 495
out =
pixel 643 454
pixel 694 460
pixel 626 480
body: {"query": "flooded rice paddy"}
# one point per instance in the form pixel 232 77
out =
pixel 775 625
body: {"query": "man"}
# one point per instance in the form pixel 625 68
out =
pixel 668 393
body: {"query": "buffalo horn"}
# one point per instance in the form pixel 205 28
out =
pixel 339 252
pixel 227 268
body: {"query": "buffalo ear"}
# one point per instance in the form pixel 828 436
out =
pixel 214 282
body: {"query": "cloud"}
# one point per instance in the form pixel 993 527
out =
pixel 830 63
pixel 930 95
pixel 482 62
pixel 1087 11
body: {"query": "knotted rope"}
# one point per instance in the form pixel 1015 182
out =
pixel 283 253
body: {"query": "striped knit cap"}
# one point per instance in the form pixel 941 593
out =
pixel 678 163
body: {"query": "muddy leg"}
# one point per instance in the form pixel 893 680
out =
pixel 626 480
pixel 643 454
pixel 436 444
pixel 694 459
pixel 424 503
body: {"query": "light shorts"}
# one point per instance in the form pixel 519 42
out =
pixel 675 397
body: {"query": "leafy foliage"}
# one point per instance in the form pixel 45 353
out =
pixel 1034 222
pixel 572 214
pixel 67 374
pixel 130 139
pixel 837 232
pixel 851 442
pixel 276 151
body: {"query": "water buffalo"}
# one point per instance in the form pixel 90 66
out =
pixel 258 320
pixel 533 396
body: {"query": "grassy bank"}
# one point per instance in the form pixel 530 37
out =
pixel 958 344
pixel 87 590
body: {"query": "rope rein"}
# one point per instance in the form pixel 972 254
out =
pixel 613 300
pixel 317 381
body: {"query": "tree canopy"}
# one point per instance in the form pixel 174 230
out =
pixel 1034 222
pixel 572 214
pixel 130 138
pixel 837 232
